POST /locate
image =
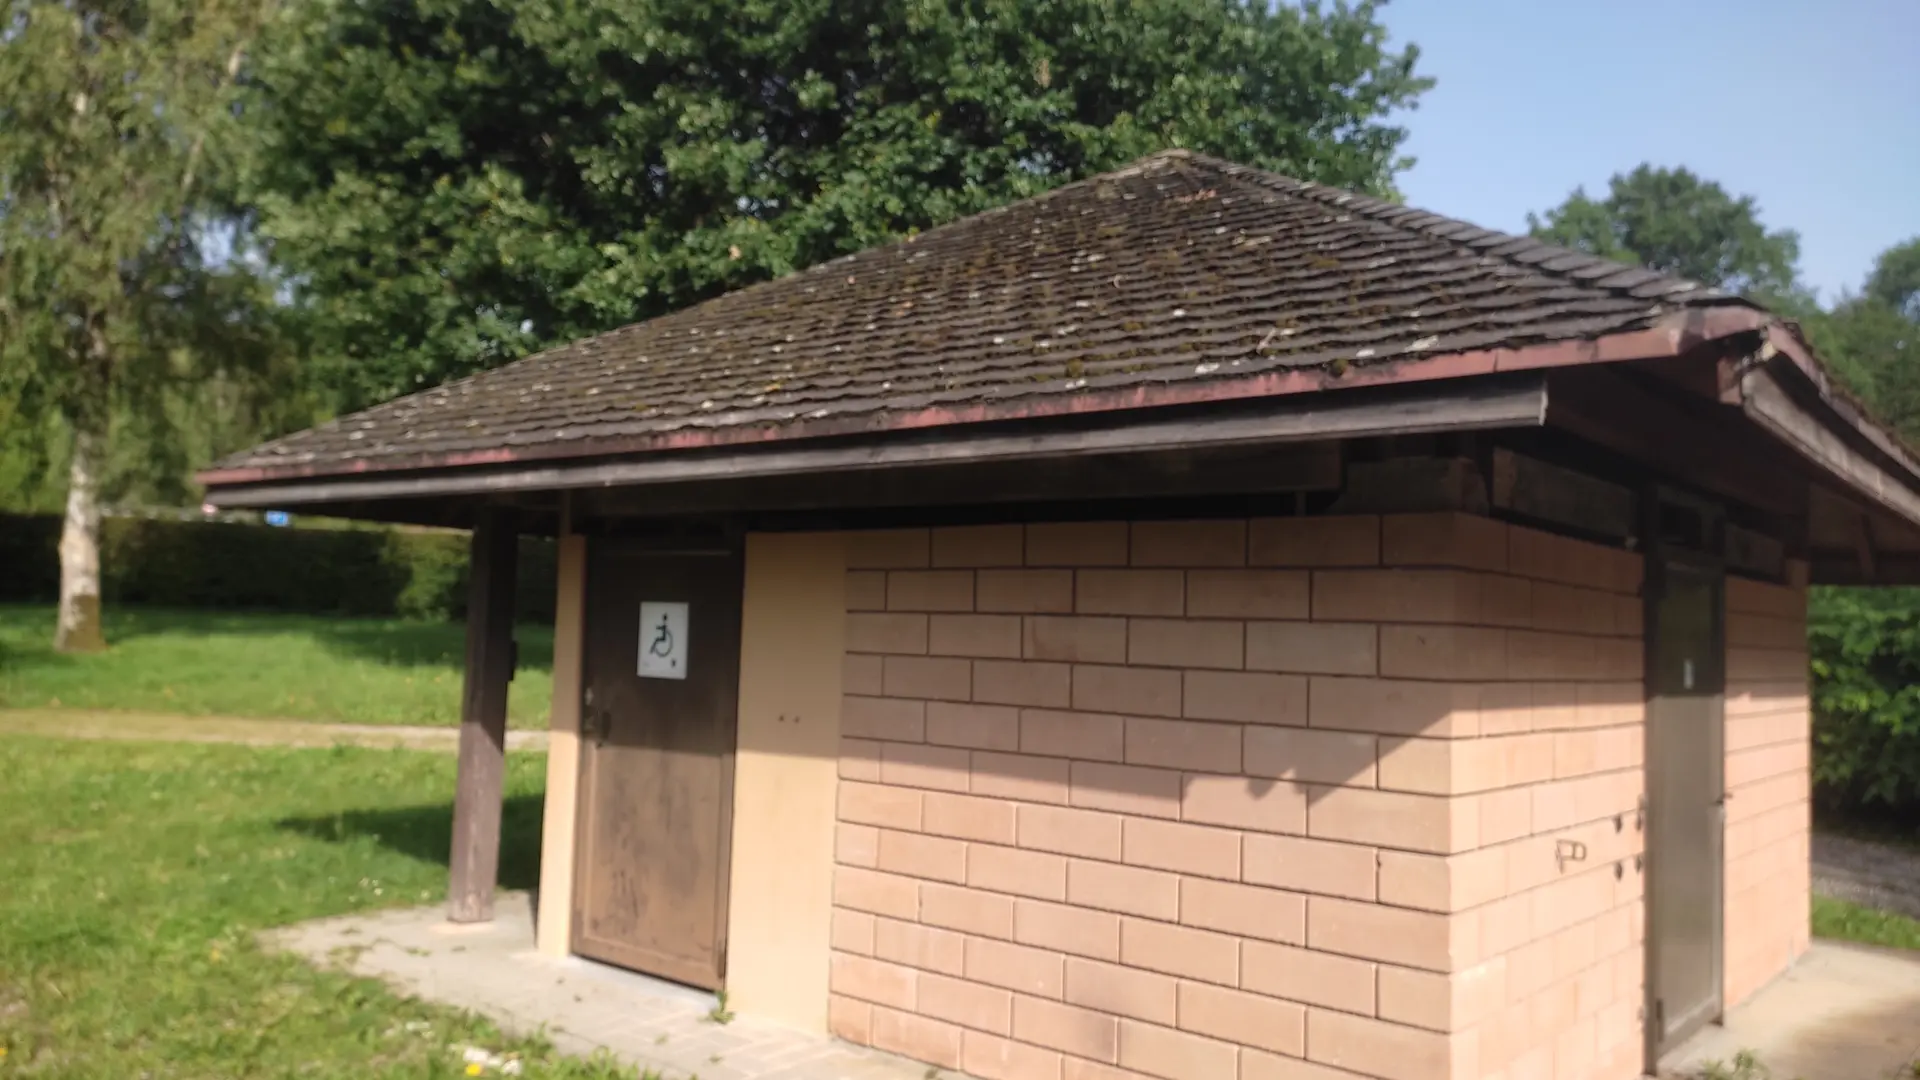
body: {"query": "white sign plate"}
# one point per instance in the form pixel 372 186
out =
pixel 663 639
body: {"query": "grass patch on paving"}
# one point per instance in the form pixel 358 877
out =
pixel 262 664
pixel 1848 921
pixel 136 876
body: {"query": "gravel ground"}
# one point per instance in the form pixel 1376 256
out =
pixel 1883 876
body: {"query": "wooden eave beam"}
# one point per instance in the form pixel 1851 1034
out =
pixel 1519 400
pixel 1828 445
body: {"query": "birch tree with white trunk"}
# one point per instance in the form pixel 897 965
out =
pixel 113 115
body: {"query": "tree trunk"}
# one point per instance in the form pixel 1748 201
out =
pixel 79 625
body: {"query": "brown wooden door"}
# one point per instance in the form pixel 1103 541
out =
pixel 656 762
pixel 1685 800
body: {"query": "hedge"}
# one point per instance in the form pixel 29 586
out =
pixel 209 564
pixel 1865 651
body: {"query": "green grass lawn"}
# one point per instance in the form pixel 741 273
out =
pixel 302 667
pixel 1870 926
pixel 134 877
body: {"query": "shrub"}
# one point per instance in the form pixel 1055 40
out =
pixel 436 585
pixel 205 564
pixel 1865 650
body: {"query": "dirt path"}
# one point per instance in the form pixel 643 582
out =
pixel 1883 876
pixel 164 727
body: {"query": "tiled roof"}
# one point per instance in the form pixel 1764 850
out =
pixel 1177 268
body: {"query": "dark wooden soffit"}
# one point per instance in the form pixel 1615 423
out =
pixel 1863 520
pixel 1518 400
pixel 1765 399
pixel 1681 437
pixel 1755 421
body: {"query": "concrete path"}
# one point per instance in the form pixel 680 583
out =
pixel 164 727
pixel 492 969
pixel 1883 876
pixel 1844 1012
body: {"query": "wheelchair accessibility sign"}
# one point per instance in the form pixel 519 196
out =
pixel 663 640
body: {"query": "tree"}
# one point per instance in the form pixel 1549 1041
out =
pixel 1674 221
pixel 1872 339
pixel 1895 280
pixel 449 184
pixel 112 114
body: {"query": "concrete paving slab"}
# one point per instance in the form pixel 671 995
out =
pixel 1844 1012
pixel 492 969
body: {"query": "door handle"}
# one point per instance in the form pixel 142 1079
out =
pixel 594 724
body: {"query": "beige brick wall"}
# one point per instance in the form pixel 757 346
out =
pixel 1768 731
pixel 1559 985
pixel 1228 799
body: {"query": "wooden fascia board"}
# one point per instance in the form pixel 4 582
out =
pixel 1518 400
pixel 1824 441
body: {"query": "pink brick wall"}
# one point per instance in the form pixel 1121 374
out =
pixel 1224 799
pixel 1558 986
pixel 1767 776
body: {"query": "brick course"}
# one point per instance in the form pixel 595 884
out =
pixel 1769 810
pixel 1274 798
pixel 1553 985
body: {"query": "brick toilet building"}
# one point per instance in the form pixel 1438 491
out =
pixel 1190 625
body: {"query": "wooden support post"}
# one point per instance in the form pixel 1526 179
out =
pixel 474 865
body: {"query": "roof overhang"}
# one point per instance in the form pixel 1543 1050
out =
pixel 1859 493
pixel 1508 401
pixel 1863 526
pixel 1672 335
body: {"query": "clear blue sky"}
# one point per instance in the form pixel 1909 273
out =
pixel 1811 107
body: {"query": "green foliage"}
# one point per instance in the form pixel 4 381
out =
pixel 113 137
pixel 1848 921
pixel 1895 280
pixel 1674 221
pixel 151 458
pixel 1865 650
pixel 28 445
pixel 1875 348
pixel 1872 339
pixel 452 183
pixel 138 876
pixel 435 583
pixel 201 564
pixel 263 665
pixel 1746 1065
